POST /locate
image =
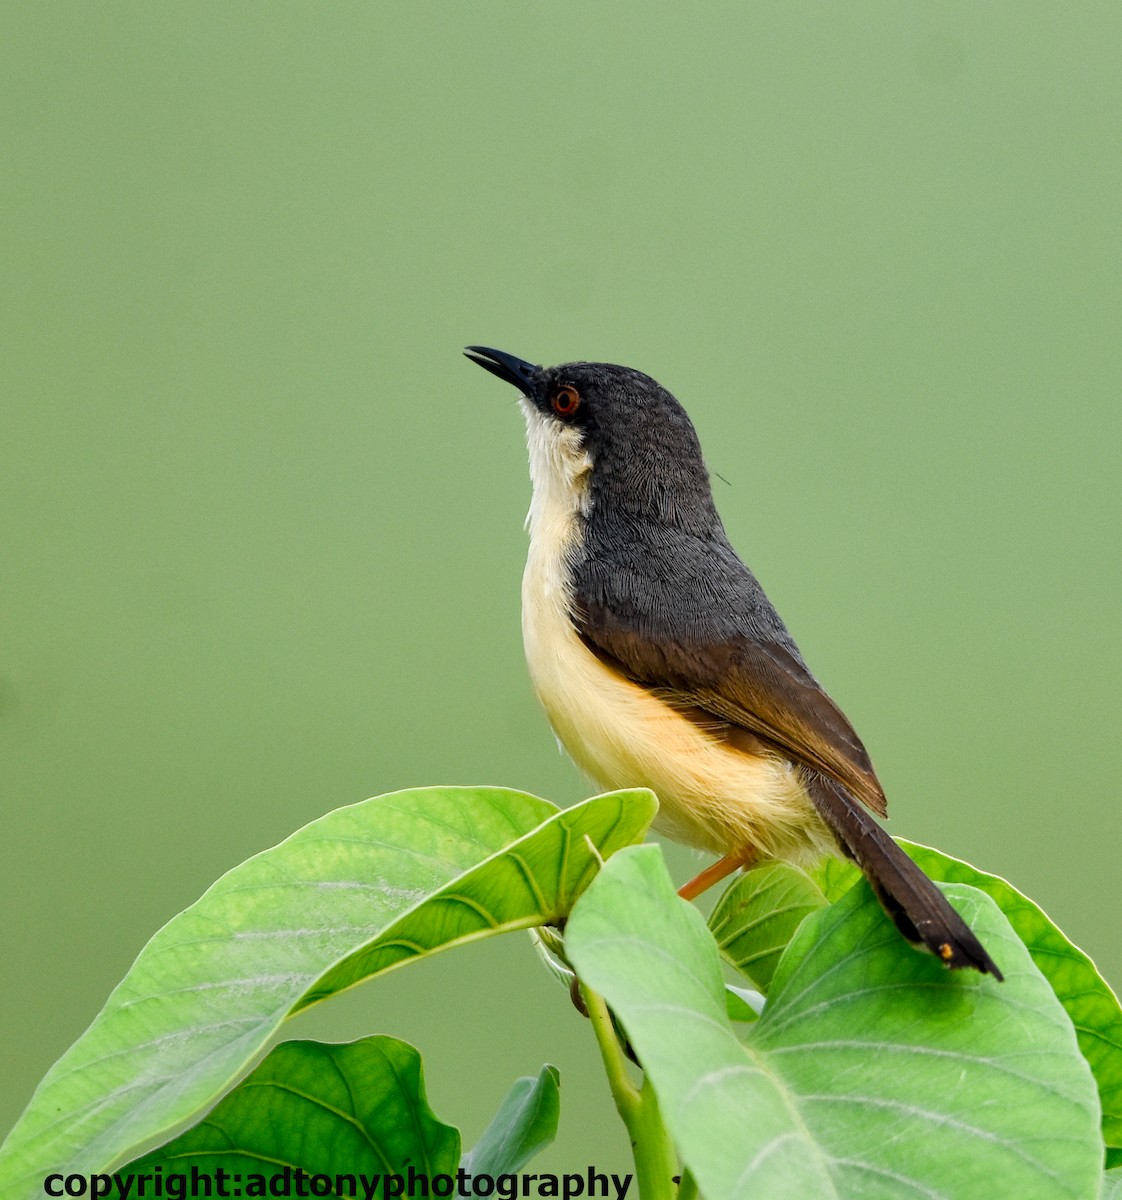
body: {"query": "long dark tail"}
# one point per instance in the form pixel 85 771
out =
pixel 920 910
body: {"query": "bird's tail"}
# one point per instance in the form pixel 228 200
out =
pixel 921 912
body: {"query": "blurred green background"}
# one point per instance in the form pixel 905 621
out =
pixel 261 538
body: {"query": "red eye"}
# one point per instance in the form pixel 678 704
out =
pixel 566 400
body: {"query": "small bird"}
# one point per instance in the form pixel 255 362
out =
pixel 661 663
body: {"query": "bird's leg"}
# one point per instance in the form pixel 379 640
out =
pixel 717 871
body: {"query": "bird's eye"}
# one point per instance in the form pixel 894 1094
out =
pixel 566 400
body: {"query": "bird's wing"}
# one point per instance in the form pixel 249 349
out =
pixel 740 667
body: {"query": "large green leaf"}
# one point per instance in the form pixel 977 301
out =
pixel 1088 999
pixel 756 916
pixel 353 1109
pixel 360 890
pixel 525 1123
pixel 873 1071
pixel 1112 1185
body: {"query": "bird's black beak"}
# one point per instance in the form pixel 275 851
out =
pixel 523 375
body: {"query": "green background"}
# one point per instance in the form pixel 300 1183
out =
pixel 260 530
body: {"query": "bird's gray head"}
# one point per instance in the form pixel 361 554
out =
pixel 608 438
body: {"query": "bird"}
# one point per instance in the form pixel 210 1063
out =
pixel 661 663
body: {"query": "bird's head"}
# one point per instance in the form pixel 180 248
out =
pixel 608 436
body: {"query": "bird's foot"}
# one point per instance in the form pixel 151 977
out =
pixel 717 871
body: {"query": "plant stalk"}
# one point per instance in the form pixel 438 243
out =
pixel 656 1164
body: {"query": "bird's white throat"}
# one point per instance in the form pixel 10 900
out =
pixel 559 471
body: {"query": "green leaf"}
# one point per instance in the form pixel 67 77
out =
pixel 359 891
pixel 525 1124
pixel 755 917
pixel 352 1109
pixel 872 1072
pixel 1088 999
pixel 550 948
pixel 835 876
pixel 1112 1185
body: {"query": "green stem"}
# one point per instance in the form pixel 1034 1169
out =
pixel 655 1161
pixel 622 1089
pixel 656 1164
pixel 687 1189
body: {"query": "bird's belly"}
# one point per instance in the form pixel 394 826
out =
pixel 711 794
